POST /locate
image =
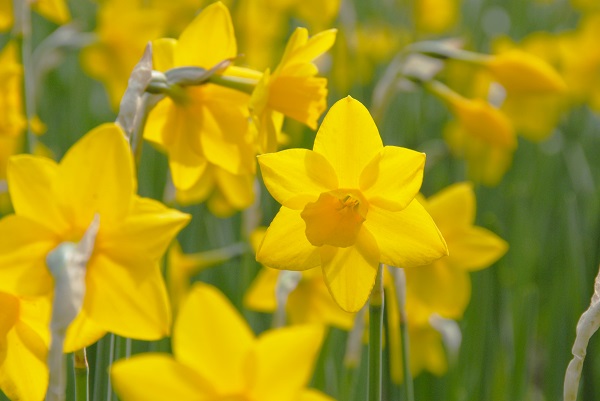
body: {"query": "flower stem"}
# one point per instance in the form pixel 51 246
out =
pixel 80 365
pixel 375 336
pixel 400 284
pixel 241 84
pixel 22 13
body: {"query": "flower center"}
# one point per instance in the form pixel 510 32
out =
pixel 335 218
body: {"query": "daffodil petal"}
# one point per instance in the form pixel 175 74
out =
pixel 475 248
pixel 350 272
pixel 282 362
pixel 314 47
pixel 406 238
pixel 393 178
pixel 223 131
pixel 186 165
pixel 436 288
pixel 453 207
pixel 154 131
pixel 145 233
pixel 208 39
pixel 154 376
pixel 163 54
pixel 30 181
pixel 97 176
pixel 238 190
pixel 295 177
pixel 23 371
pixel 312 303
pixel 82 332
pixel 349 139
pixel 23 251
pixel 127 300
pixel 211 337
pixel 298 254
pixel 261 293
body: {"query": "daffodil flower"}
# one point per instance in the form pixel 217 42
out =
pixel 217 357
pixel 53 10
pixel 444 287
pixel 55 203
pixel 12 119
pixel 347 206
pixel 292 89
pixel 24 338
pixel 207 124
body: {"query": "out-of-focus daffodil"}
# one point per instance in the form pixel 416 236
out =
pixel 55 203
pixel 481 134
pixel 292 89
pixel 309 302
pixel 24 340
pixel 535 114
pixel 444 287
pixel 520 72
pixel 183 266
pixel 225 193
pixel 436 16
pixel 12 120
pixel 425 349
pixel 347 205
pixel 205 124
pixel 123 30
pixel 217 357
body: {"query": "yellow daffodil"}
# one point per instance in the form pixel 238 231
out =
pixel 55 203
pixel 24 340
pixel 436 16
pixel 535 114
pixel 202 124
pixel 217 357
pixel 425 349
pixel 522 72
pixel 444 287
pixel 347 205
pixel 123 30
pixel 12 119
pixel 481 134
pixel 292 89
pixel 309 302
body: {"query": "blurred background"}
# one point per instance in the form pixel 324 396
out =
pixel 519 326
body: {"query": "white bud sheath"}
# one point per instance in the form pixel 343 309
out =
pixel 68 265
pixel 588 324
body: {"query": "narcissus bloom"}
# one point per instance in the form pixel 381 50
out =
pixel 24 340
pixel 123 31
pixel 347 206
pixel 217 357
pixel 522 72
pixel 12 119
pixel 292 89
pixel 55 203
pixel 309 302
pixel 202 124
pixel 444 287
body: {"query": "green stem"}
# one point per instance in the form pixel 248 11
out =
pixel 80 365
pixel 22 12
pixel 241 84
pixel 375 337
pixel 400 285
